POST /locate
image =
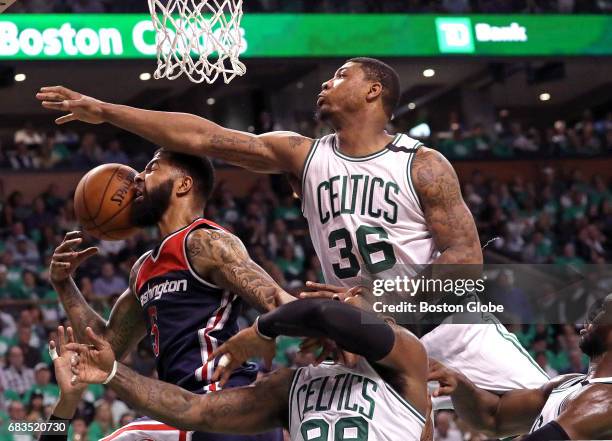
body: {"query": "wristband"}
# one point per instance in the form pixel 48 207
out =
pixel 112 374
pixel 265 337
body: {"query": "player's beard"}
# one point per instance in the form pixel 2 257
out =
pixel 149 211
pixel 592 344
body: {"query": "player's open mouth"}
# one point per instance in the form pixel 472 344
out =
pixel 139 196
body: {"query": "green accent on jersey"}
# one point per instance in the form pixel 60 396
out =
pixel 311 153
pixel 512 339
pixel 406 404
pixel 409 173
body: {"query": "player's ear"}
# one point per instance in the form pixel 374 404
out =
pixel 375 91
pixel 185 185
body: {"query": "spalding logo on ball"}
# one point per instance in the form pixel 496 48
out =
pixel 103 199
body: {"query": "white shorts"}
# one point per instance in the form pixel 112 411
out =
pixel 146 429
pixel 486 353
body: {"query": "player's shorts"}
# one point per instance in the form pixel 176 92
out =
pixel 486 353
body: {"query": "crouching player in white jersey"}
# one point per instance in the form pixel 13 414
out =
pixel 569 407
pixel 383 398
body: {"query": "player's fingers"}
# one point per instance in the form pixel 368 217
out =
pixel 73 235
pixel 56 105
pixel 71 338
pixel 67 245
pixel 223 349
pixel 50 96
pixel 65 257
pixel 324 286
pixel 86 254
pixel 319 295
pixel 64 91
pixel 76 347
pixel 97 341
pixel 61 339
pixel 66 118
pixel 62 265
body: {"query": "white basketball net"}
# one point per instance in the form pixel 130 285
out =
pixel 200 38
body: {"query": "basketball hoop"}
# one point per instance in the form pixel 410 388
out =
pixel 199 38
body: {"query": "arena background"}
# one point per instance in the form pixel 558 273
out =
pixel 522 107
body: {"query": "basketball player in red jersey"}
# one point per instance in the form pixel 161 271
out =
pixel 185 294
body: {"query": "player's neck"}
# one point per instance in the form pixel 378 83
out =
pixel 358 139
pixel 601 367
pixel 176 218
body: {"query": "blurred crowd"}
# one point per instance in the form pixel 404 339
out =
pixel 33 149
pixel 341 6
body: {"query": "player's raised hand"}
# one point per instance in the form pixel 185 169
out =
pixel 62 364
pixel 79 107
pixel 444 375
pixel 240 348
pixel 92 363
pixel 66 258
pixel 325 291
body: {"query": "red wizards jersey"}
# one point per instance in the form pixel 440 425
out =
pixel 187 317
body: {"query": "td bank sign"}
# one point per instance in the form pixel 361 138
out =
pixel 457 35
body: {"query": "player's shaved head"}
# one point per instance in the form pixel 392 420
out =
pixel 378 71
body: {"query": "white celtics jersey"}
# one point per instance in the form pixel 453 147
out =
pixel 363 213
pixel 560 395
pixel 332 402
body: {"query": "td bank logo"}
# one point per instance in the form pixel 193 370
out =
pixel 455 35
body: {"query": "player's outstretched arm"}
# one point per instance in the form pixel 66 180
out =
pixel 448 217
pixel 276 152
pixel 243 410
pixel 512 413
pixel 125 327
pixel 221 257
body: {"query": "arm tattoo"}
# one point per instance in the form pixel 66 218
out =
pixel 222 257
pixel 261 406
pixel 78 310
pixel 126 326
pixel 448 218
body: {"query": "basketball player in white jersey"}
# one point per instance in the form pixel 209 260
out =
pixel 569 407
pixel 383 398
pixel 375 203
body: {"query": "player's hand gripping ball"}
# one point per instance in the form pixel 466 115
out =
pixel 103 201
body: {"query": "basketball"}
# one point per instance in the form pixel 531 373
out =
pixel 103 199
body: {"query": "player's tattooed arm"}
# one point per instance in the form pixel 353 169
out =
pixel 274 152
pixel 261 406
pixel 221 257
pixel 125 327
pixel 448 217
